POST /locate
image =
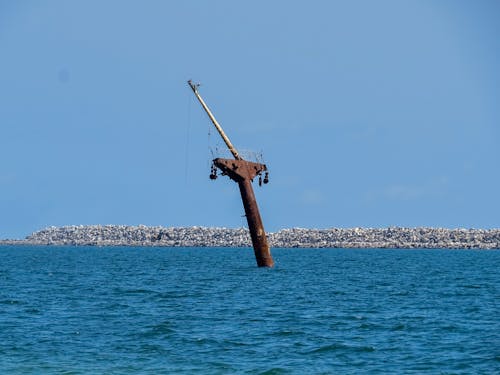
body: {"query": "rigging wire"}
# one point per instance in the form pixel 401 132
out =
pixel 188 131
pixel 209 148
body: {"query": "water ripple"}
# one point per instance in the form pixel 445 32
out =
pixel 146 310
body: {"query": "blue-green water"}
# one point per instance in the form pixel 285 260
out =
pixel 173 310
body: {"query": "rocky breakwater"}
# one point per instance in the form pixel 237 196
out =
pixel 121 235
pixel 396 237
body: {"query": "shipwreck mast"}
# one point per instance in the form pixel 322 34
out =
pixel 242 172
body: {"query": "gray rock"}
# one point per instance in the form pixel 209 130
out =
pixel 393 237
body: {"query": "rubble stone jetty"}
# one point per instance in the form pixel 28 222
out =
pixel 393 237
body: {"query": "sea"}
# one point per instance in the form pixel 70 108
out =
pixel 137 310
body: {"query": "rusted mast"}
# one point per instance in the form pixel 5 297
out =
pixel 242 172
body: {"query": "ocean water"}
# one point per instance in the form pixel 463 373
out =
pixel 86 310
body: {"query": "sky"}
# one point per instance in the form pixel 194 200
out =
pixel 367 113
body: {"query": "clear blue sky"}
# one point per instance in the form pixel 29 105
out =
pixel 369 113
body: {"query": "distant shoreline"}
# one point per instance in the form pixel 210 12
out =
pixel 393 237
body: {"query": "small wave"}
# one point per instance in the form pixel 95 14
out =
pixel 135 291
pixel 203 341
pixel 274 371
pixel 151 348
pixel 336 347
pixel 177 295
pixel 399 327
pixel 369 326
pixel 10 302
pixel 449 328
pixel 401 293
pixel 159 330
pixel 32 310
pixel 287 332
pixel 471 286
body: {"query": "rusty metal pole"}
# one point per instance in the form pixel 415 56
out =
pixel 243 172
pixel 257 233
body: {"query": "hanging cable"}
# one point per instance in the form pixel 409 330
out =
pixel 209 148
pixel 188 135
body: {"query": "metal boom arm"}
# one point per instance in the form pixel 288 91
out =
pixel 228 143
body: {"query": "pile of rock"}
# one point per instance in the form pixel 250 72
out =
pixel 408 238
pixel 122 235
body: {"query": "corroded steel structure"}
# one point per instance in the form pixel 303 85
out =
pixel 242 172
